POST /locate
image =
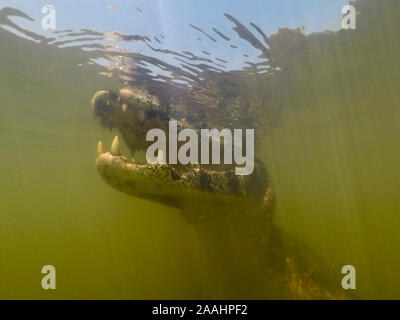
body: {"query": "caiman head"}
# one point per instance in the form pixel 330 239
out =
pixel 134 112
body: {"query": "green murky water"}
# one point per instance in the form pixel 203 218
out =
pixel 55 209
pixel 333 159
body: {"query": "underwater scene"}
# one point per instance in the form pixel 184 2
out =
pixel 181 149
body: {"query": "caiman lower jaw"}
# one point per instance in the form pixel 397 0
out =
pixel 167 184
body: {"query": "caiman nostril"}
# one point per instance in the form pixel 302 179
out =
pixel 103 101
pixel 97 98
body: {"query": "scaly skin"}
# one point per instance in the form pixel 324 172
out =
pixel 232 215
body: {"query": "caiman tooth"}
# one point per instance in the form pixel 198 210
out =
pixel 100 149
pixel 124 107
pixel 115 147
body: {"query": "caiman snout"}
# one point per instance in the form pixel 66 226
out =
pixel 133 111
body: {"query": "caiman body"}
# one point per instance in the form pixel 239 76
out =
pixel 232 214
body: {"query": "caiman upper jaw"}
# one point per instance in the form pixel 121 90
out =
pixel 133 111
